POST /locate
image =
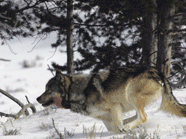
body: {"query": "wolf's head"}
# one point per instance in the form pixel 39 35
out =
pixel 56 91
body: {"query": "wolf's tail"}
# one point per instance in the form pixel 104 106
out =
pixel 169 102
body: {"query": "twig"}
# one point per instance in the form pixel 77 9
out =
pixel 27 99
pixel 52 54
pixel 6 60
pixel 36 44
pixel 2 16
pixel 59 134
pixel 50 69
pixel 10 48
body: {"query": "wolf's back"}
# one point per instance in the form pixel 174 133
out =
pixel 169 102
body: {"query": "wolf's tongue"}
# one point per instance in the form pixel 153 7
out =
pixel 49 102
pixel 58 101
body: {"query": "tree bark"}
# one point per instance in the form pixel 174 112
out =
pixel 149 38
pixel 166 12
pixel 154 48
pixel 70 69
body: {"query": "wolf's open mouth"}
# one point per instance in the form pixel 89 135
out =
pixel 49 102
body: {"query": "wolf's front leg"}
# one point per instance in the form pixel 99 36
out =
pixel 117 119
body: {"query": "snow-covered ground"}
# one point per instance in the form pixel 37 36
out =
pixel 31 82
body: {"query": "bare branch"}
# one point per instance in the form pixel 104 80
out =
pixel 53 54
pixel 21 112
pixel 51 70
pixel 27 99
pixel 2 16
pixel 24 107
pixel 101 25
pixel 14 99
pixel 6 60
pixel 28 7
pixel 10 48
pixel 7 115
pixel 41 38
pixel 176 31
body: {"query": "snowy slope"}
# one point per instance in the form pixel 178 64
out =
pixel 31 82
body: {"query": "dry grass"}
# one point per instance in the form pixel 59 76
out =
pixel 65 135
pixel 9 132
pixel 45 126
pixel 139 134
pixel 90 133
pixel 184 129
pixel 49 110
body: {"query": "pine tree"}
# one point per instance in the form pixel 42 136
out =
pixel 96 34
pixel 106 33
pixel 108 39
pixel 16 20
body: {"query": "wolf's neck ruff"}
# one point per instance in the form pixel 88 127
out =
pixel 75 99
pixel 66 98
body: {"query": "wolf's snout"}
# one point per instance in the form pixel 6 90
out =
pixel 38 99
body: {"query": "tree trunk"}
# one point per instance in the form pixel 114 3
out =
pixel 154 48
pixel 70 61
pixel 167 10
pixel 149 39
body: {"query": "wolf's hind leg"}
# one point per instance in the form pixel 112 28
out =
pixel 138 119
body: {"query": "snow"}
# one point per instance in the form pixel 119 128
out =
pixel 19 81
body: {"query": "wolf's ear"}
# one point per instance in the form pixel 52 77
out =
pixel 59 76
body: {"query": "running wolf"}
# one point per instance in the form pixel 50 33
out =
pixel 108 94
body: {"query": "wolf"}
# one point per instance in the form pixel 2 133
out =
pixel 106 95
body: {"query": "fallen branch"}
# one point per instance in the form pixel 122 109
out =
pixel 7 115
pixel 14 99
pixel 6 60
pixel 22 111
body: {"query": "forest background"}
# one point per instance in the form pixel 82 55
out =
pixel 107 34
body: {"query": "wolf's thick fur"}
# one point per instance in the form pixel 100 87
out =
pixel 108 94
